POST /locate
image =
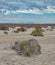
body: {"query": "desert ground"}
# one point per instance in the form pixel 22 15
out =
pixel 9 56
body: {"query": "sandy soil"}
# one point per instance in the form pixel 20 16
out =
pixel 9 56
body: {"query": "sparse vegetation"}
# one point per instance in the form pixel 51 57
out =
pixel 20 29
pixel 37 32
pixel 5 32
pixel 17 31
pixel 28 48
pixel 4 27
pixel 52 27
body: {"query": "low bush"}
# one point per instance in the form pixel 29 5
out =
pixel 16 31
pixel 28 48
pixel 37 32
pixel 20 29
pixel 5 32
pixel 4 28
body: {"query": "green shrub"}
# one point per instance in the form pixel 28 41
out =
pixel 37 32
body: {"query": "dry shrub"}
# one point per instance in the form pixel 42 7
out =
pixel 17 31
pixel 52 27
pixel 5 32
pixel 37 32
pixel 20 29
pixel 28 48
pixel 4 27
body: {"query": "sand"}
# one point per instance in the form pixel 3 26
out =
pixel 9 56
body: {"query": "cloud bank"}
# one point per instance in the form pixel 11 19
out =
pixel 27 6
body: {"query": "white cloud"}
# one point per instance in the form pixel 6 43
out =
pixel 50 9
pixel 7 12
pixel 31 11
pixel 27 6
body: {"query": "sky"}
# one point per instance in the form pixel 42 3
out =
pixel 27 11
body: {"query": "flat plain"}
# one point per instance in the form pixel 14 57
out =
pixel 9 56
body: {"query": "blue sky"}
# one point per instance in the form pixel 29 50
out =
pixel 27 11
